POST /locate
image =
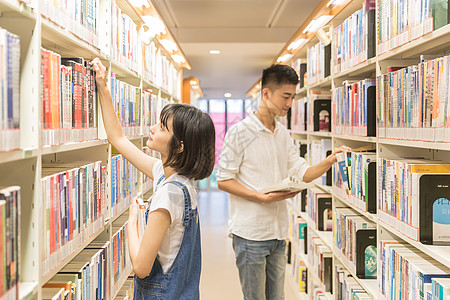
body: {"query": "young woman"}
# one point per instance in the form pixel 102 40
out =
pixel 167 261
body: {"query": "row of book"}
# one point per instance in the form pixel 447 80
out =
pixel 317 151
pixel 126 101
pixel 414 101
pixel 347 288
pixel 413 196
pixel 147 182
pixel 121 263
pixel 321 261
pixel 355 178
pixel 68 99
pixel 73 197
pixel 312 113
pixel 356 237
pixel 124 184
pixel 407 273
pixel 124 37
pixel 318 62
pixel 87 276
pixel 297 266
pixel 79 17
pixel 401 21
pixel 299 65
pixel 10 94
pixel 9 247
pixel 127 291
pixel 149 111
pixel 354 40
pixel 319 208
pixel 354 108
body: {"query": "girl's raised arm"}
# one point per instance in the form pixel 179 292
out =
pixel 133 154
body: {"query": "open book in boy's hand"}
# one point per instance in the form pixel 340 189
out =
pixel 286 185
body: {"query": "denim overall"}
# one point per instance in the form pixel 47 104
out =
pixel 182 279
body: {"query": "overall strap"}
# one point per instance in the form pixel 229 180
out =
pixel 188 212
pixel 161 179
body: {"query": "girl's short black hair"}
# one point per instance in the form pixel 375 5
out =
pixel 196 130
pixel 276 75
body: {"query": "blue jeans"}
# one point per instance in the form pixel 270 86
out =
pixel 261 266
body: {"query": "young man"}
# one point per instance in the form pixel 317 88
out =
pixel 258 152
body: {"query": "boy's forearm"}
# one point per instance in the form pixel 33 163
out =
pixel 318 170
pixel 231 186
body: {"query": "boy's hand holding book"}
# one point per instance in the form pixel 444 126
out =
pixel 342 149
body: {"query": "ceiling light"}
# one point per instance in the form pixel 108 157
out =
pixel 297 44
pixel 178 59
pixel 155 25
pixel 169 45
pixel 227 95
pixel 284 58
pixel 193 82
pixel 336 2
pixel 317 23
pixel 139 3
pixel 214 51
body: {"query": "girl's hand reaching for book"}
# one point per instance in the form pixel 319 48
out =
pixel 277 196
pixel 133 212
pixel 100 72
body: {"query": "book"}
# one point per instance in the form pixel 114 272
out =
pixel 286 185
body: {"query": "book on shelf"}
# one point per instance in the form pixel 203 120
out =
pixel 120 254
pixel 317 151
pixel 10 245
pixel 318 62
pixel 319 113
pixel 289 184
pixel 413 101
pixel 415 192
pixel 354 108
pixel 319 208
pixel 299 115
pixel 440 288
pixel 10 92
pixel 299 65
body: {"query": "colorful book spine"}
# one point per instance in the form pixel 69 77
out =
pixel 120 254
pixel 127 104
pixel 414 102
pixel 319 209
pixel 318 62
pixel 73 206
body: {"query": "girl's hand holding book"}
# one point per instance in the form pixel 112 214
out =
pixel 134 212
pixel 100 72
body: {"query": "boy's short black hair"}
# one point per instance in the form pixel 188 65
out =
pixel 276 75
pixel 196 130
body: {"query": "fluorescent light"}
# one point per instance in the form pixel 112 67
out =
pixel 169 45
pixel 297 44
pixel 193 82
pixel 318 23
pixel 284 58
pixel 178 59
pixel 155 25
pixel 227 95
pixel 139 3
pixel 214 51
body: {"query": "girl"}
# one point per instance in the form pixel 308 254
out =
pixel 167 261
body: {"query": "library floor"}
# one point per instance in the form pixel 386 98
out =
pixel 219 279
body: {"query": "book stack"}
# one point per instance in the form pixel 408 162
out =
pixel 413 198
pixel 355 179
pixel 354 40
pixel 356 239
pixel 127 104
pixel 321 258
pixel 10 96
pixel 354 108
pixel 121 264
pixel 299 65
pixel 124 38
pixel 319 209
pixel 400 22
pixel 148 112
pixel 318 62
pixel 299 115
pixel 319 112
pixel 414 101
pixel 73 208
pixel 347 288
pixel 407 273
pixel 85 277
pixel 149 61
pixel 124 184
pixel 10 235
pixel 79 17
pixel 68 100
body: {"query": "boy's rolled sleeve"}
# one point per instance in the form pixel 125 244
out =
pixel 230 157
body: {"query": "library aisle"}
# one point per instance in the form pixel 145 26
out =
pixel 220 278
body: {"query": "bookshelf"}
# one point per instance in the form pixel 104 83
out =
pixel 402 50
pixel 39 25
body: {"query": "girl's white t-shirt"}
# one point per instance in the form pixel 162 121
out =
pixel 170 197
